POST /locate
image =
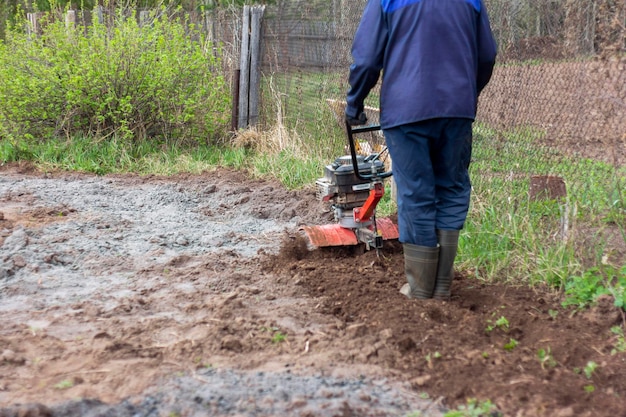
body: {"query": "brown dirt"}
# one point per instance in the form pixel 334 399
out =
pixel 339 310
pixel 446 349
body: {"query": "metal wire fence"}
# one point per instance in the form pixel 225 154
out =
pixel 561 72
pixel 551 122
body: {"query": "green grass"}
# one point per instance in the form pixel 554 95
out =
pixel 301 105
pixel 511 238
pixel 118 156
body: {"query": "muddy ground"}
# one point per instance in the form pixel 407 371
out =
pixel 196 295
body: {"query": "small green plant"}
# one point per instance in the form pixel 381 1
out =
pixel 553 314
pixel 546 358
pixel 429 357
pixel 474 408
pixel 501 323
pixel 589 388
pixel 604 280
pixel 65 384
pixel 620 343
pixel 512 344
pixel 278 337
pixel 589 369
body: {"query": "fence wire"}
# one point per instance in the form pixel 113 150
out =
pixel 555 105
pixel 560 73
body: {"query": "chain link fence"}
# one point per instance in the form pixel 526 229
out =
pixel 561 72
pixel 555 107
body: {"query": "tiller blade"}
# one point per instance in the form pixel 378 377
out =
pixel 337 235
pixel 353 184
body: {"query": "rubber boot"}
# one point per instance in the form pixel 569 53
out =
pixel 448 245
pixel 420 267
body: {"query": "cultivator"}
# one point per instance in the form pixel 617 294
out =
pixel 354 185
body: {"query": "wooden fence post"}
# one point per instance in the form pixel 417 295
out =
pixel 70 19
pixel 33 25
pixel 99 12
pixel 250 66
pixel 244 73
pixel 144 17
pixel 256 26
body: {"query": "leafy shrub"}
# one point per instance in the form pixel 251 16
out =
pixel 133 82
pixel 607 280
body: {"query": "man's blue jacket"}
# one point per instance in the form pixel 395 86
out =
pixel 435 57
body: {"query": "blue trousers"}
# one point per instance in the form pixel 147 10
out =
pixel 430 161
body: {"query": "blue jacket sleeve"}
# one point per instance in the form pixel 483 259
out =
pixel 368 56
pixel 487 50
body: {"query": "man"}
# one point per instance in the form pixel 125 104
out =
pixel 435 57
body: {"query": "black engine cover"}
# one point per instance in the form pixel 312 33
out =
pixel 341 172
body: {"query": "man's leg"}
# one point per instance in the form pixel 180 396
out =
pixel 410 149
pixel 452 189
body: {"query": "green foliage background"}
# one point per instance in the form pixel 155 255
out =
pixel 130 82
pixel 11 9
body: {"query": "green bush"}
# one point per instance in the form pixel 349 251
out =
pixel 160 80
pixel 605 280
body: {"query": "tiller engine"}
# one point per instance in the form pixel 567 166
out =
pixel 354 186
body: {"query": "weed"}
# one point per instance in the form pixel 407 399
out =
pixel 589 388
pixel 278 337
pixel 502 323
pixel 553 314
pixel 620 343
pixel 65 384
pixel 546 358
pixel 511 345
pixel 589 369
pixel 584 290
pixel 429 358
pixel 474 408
pixel 602 280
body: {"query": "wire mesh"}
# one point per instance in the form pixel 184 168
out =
pixel 555 105
pixel 560 71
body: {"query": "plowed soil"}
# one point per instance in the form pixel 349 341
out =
pixel 198 295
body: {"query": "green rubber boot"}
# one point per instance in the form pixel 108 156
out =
pixel 448 245
pixel 420 267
